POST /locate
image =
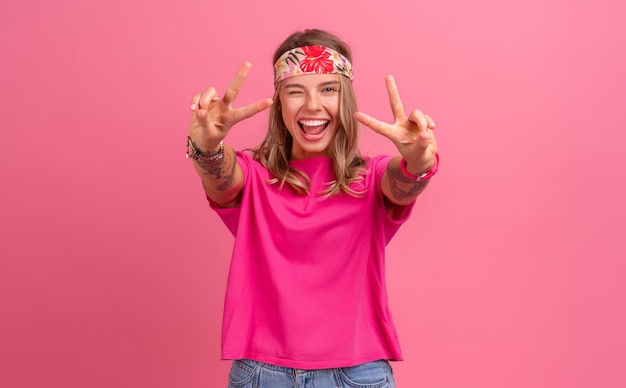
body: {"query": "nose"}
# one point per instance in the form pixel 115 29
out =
pixel 313 102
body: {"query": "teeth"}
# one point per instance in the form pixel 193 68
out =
pixel 313 123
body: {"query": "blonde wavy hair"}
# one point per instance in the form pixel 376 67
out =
pixel 274 152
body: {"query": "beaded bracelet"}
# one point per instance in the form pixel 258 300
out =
pixel 423 176
pixel 193 152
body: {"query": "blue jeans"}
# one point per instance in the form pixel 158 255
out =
pixel 254 374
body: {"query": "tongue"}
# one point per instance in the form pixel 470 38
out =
pixel 313 133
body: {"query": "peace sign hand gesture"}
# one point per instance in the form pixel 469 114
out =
pixel 212 117
pixel 412 134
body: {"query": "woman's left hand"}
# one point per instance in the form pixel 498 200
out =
pixel 412 134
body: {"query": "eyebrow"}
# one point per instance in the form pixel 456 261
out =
pixel 295 85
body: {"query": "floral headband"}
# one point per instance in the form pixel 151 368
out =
pixel 311 60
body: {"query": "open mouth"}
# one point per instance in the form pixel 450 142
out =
pixel 313 129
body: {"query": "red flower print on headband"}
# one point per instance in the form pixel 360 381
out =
pixel 311 60
pixel 317 60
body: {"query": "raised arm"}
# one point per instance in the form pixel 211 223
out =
pixel 407 174
pixel 211 120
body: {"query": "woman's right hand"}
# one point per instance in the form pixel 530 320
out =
pixel 212 117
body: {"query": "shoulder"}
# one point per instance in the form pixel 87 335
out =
pixel 377 164
pixel 253 170
pixel 248 161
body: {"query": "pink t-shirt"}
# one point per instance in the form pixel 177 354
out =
pixel 306 287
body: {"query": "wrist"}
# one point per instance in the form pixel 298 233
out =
pixel 207 147
pixel 423 175
pixel 196 153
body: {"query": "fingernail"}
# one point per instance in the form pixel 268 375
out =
pixel 194 106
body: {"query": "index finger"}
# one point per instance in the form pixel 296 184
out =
pixel 394 98
pixel 235 85
pixel 250 109
pixel 375 124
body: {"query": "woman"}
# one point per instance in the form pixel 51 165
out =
pixel 306 301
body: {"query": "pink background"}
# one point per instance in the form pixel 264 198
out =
pixel 510 273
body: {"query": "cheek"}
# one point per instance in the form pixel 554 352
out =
pixel 288 119
pixel 332 106
pixel 288 113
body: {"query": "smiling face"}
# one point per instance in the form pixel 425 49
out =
pixel 310 110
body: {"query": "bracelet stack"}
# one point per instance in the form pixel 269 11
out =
pixel 193 152
pixel 423 176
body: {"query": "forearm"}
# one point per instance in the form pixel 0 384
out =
pixel 222 179
pixel 397 187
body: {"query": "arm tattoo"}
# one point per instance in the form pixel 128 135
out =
pixel 223 169
pixel 402 187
